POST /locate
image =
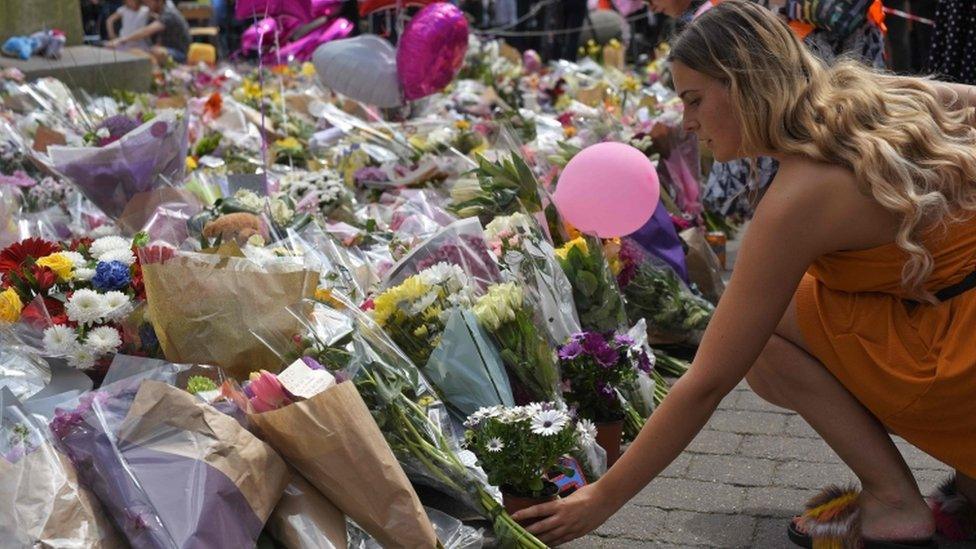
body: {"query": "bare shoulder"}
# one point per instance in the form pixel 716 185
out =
pixel 827 201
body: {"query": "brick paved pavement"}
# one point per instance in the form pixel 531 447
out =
pixel 738 483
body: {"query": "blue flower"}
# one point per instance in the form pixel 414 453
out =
pixel 111 275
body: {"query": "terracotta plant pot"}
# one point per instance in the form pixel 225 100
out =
pixel 514 503
pixel 609 435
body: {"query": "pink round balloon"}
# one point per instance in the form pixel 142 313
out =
pixel 608 189
pixel 431 50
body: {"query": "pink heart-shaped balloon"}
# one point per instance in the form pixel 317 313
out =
pixel 432 50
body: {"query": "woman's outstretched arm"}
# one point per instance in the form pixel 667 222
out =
pixel 781 242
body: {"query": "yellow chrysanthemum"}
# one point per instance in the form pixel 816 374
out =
pixel 10 306
pixel 288 143
pixel 462 125
pixel 577 242
pixel 191 163
pixel 387 303
pixel 630 84
pixel 308 69
pixel 61 265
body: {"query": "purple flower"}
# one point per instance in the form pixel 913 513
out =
pixel 605 390
pixel 570 350
pixel 312 363
pixel 643 362
pixel 623 340
pixel 18 179
pixel 607 357
pixel 593 343
pixel 111 275
pixel 117 127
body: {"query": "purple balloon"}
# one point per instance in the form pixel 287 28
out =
pixel 432 50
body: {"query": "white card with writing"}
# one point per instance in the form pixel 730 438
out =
pixel 304 382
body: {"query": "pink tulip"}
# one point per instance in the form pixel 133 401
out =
pixel 269 394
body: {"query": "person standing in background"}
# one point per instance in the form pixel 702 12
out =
pixel 566 23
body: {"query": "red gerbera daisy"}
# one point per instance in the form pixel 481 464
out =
pixel 14 255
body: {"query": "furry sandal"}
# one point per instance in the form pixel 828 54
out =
pixel 832 520
pixel 955 516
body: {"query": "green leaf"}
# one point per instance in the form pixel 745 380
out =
pixel 587 283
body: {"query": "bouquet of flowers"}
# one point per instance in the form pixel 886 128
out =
pixel 594 367
pixel 502 188
pixel 146 448
pixel 518 447
pixel 126 157
pixel 325 431
pixel 598 300
pixel 428 316
pixel 204 305
pixel 321 192
pixel 461 244
pixel 507 316
pixel 350 344
pixel 79 295
pixel 45 504
pixel 528 259
pixel 654 292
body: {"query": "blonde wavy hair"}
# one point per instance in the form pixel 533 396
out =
pixel 915 156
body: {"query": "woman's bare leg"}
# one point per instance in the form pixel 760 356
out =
pixel 786 375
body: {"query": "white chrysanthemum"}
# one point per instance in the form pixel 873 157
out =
pixel 122 255
pixel 108 243
pixel 102 231
pixel 59 339
pixel 507 224
pixel 116 305
pixel 84 274
pixel 495 445
pixel 85 306
pixel 548 422
pixel 81 357
pixel 104 339
pixel 250 200
pixel 76 259
pixel 586 432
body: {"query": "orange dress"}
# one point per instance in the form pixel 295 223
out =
pixel 914 368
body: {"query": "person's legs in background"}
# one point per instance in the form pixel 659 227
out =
pixel 921 33
pixel 574 14
pixel 898 39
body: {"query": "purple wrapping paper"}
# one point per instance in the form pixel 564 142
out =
pixel 150 156
pixel 658 237
pixel 156 498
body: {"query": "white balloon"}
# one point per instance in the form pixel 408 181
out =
pixel 363 68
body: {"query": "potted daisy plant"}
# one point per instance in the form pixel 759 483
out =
pixel 518 446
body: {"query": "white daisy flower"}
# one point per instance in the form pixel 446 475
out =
pixel 124 256
pixel 104 339
pixel 59 339
pixel 586 432
pixel 85 306
pixel 495 445
pixel 107 244
pixel 548 422
pixel 116 305
pixel 84 274
pixel 81 357
pixel 76 259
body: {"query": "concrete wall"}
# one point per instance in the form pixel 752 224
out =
pixel 19 17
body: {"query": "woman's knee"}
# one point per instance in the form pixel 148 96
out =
pixel 769 376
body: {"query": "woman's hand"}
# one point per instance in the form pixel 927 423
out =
pixel 569 518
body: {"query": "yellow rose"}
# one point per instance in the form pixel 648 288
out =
pixel 61 265
pixel 10 306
